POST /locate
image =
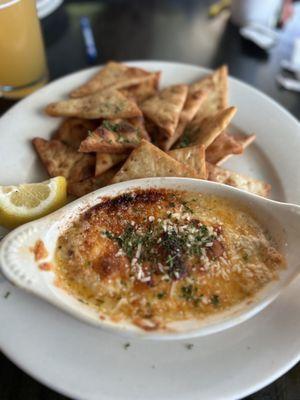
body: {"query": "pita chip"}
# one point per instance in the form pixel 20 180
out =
pixel 115 137
pixel 191 106
pixel 109 104
pixel 227 145
pixel 143 90
pixel 73 131
pixel 208 130
pixel 62 160
pixel 148 160
pixel 112 75
pixel 221 175
pixel 86 186
pixel 243 139
pixel 216 84
pixel 164 108
pixel 193 156
pixel 105 161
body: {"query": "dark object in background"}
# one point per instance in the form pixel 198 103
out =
pixel 89 41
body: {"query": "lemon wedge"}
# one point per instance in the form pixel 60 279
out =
pixel 26 202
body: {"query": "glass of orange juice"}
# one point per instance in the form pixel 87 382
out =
pixel 23 67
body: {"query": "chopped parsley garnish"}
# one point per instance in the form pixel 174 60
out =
pixel 245 257
pixel 7 294
pixel 161 295
pixel 187 292
pixel 189 346
pixel 126 345
pixel 123 139
pixel 215 300
pixel 110 126
pixel 185 141
pixel 167 243
pixel 186 207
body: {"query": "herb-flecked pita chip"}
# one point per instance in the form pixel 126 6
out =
pixel 221 175
pixel 216 84
pixel 105 161
pixel 62 160
pixel 193 156
pixel 208 130
pixel 86 186
pixel 164 108
pixel 73 131
pixel 109 104
pixel 148 160
pixel 191 106
pixel 115 137
pixel 145 89
pixel 112 75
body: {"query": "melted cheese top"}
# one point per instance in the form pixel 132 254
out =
pixel 156 256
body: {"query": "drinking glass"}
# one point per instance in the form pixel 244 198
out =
pixel 23 67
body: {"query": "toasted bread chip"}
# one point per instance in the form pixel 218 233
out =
pixel 224 146
pixel 243 139
pixel 148 160
pixel 217 98
pixel 191 106
pixel 112 75
pixel 105 161
pixel 165 107
pixel 60 159
pixel 109 104
pixel 227 145
pixel 73 131
pixel 86 186
pixel 208 130
pixel 221 175
pixel 115 137
pixel 193 156
pixel 145 89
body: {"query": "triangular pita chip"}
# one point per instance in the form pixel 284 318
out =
pixel 193 156
pixel 243 139
pixel 61 160
pixel 217 87
pixel 105 161
pixel 208 129
pixel 112 75
pixel 227 145
pixel 143 90
pixel 115 137
pixel 164 108
pixel 73 131
pixel 148 160
pixel 79 189
pixel 108 104
pixel 191 106
pixel 221 175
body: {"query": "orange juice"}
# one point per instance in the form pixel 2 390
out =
pixel 22 56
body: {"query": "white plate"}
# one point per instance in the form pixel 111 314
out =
pixel 85 363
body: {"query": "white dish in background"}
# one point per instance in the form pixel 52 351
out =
pixel 86 363
pixel 18 263
pixel 47 7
